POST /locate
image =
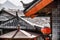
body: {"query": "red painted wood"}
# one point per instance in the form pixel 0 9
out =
pixel 35 39
pixel 38 7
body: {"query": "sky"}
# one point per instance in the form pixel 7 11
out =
pixel 16 2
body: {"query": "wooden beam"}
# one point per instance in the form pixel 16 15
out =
pixel 38 7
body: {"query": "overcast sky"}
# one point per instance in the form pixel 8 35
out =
pixel 16 2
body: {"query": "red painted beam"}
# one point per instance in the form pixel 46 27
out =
pixel 37 7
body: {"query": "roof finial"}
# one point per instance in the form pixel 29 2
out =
pixel 18 27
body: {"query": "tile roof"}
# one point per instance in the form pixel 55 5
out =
pixel 20 34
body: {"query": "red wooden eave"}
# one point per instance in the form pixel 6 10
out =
pixel 37 7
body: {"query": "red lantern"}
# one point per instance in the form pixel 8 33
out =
pixel 46 30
